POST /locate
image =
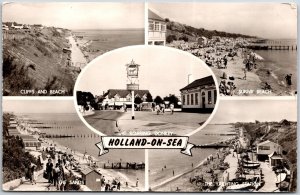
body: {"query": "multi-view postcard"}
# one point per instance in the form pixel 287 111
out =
pixel 149 97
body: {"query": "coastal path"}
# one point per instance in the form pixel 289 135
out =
pixel 104 121
pixel 77 57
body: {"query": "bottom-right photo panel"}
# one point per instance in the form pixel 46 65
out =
pixel 248 146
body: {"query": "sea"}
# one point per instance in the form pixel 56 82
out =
pixel 163 162
pixel 85 140
pixel 109 39
pixel 281 63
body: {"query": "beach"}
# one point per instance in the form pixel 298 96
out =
pixel 95 42
pixel 161 169
pixel 69 124
pixel 266 75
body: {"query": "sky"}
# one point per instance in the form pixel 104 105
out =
pixel 39 106
pixel 163 70
pixel 266 20
pixel 231 111
pixel 77 15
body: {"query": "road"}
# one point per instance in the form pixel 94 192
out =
pixel 104 121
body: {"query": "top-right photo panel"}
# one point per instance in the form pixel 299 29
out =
pixel 251 47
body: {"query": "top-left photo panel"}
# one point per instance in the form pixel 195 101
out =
pixel 46 45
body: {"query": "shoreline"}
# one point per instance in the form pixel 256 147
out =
pixel 109 174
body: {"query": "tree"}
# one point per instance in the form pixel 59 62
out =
pixel 171 38
pixel 158 100
pixel 172 99
pixel 167 20
pixel 185 38
pixel 138 100
pixel 149 97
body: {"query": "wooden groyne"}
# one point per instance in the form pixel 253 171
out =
pixel 124 165
pixel 215 145
pixel 68 135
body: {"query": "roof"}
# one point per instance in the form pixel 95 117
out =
pixel 154 16
pixel 88 171
pixel 200 82
pixel 274 155
pixel 266 142
pixel 124 92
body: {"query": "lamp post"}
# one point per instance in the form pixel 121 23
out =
pixel 132 82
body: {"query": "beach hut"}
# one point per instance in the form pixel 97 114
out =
pixel 275 159
pixel 92 179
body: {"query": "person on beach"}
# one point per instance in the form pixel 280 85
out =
pixel 245 74
pixel 288 79
pixel 34 174
pixel 157 109
pixel 173 173
pixel 137 182
pixel 172 108
pixel 49 169
pixel 163 108
pixel 61 178
pixel 55 175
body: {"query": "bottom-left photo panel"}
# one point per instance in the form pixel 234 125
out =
pixel 46 147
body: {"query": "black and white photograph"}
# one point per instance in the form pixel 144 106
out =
pixel 244 148
pixel 251 47
pixel 47 44
pixel 46 147
pixel 174 92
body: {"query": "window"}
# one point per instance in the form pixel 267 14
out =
pixel 183 99
pixel 192 99
pixel 151 25
pixel 215 96
pixel 188 99
pixel 163 28
pixel 156 27
pixel 196 98
pixel 264 147
pixel 209 97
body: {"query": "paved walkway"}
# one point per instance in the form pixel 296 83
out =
pixel 269 178
pixel 233 165
pixel 180 123
pixel 77 57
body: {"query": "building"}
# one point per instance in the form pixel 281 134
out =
pixel 199 96
pixel 264 149
pixel 92 179
pixel 4 27
pixel 202 41
pixel 17 26
pixel 156 29
pixel 119 97
pixel 275 159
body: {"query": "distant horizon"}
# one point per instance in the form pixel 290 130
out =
pixel 76 15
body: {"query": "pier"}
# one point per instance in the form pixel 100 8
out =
pixel 273 45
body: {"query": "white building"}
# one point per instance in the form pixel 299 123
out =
pixel 156 29
pixel 266 148
pixel 199 96
pixel 17 26
pixel 119 97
